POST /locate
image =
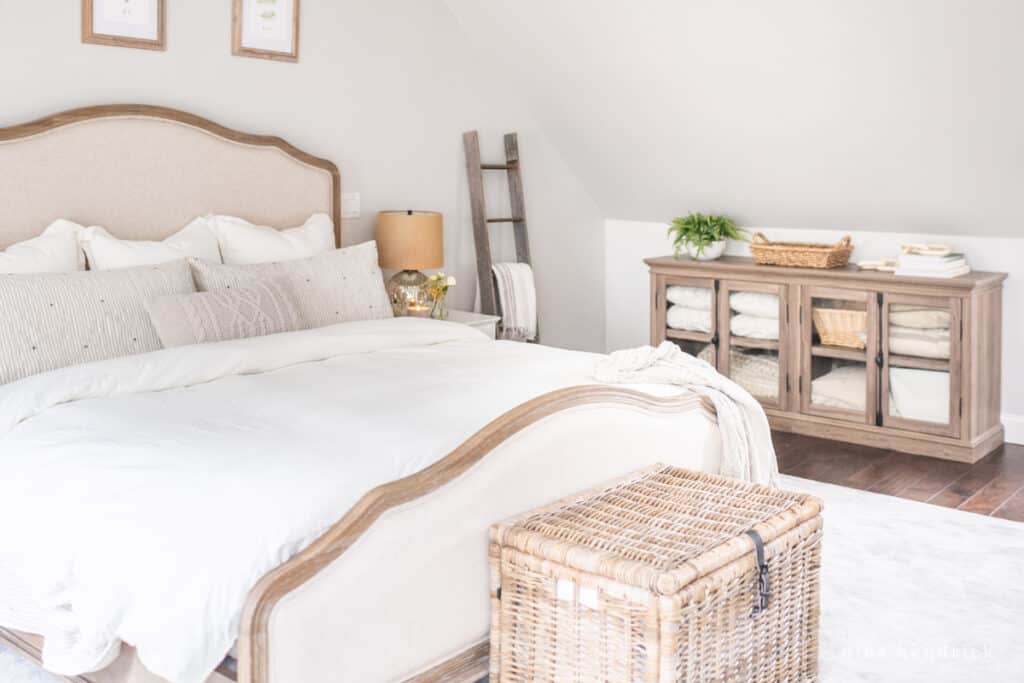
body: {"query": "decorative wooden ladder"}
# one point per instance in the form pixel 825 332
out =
pixel 474 170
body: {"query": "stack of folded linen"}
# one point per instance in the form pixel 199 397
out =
pixel 755 315
pixel 923 332
pixel 690 309
pixel 919 331
pixel 844 387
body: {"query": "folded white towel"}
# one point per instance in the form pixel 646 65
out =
pixel 698 298
pixel 755 303
pixel 517 300
pixel 925 343
pixel 753 327
pixel 684 318
pixel 919 317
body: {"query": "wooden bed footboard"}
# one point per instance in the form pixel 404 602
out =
pixel 471 664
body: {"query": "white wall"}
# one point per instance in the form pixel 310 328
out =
pixel 872 114
pixel 627 291
pixel 384 88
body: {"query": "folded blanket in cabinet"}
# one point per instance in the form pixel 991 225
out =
pixel 758 304
pixel 923 343
pixel 754 327
pixel 698 298
pixel 918 317
pixel 683 318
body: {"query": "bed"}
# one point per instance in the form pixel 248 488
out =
pixel 311 506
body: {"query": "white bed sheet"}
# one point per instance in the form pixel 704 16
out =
pixel 228 457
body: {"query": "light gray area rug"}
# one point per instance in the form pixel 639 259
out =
pixel 910 592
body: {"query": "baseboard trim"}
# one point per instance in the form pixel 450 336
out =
pixel 1014 428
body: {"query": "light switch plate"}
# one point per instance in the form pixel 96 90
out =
pixel 350 205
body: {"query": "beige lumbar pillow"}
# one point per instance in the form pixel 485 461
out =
pixel 252 310
pixel 335 287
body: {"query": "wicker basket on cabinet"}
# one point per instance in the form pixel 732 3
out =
pixel 800 254
pixel 655 578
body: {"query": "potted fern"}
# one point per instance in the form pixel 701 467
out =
pixel 703 237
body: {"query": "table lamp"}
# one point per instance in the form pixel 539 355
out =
pixel 409 241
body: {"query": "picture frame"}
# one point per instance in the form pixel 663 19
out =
pixel 265 29
pixel 125 23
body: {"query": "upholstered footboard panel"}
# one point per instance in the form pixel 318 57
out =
pixel 412 591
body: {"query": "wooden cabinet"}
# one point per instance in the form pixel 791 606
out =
pixel 911 364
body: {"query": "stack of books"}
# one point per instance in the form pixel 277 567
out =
pixel 924 265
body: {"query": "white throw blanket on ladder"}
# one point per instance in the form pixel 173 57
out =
pixel 747 451
pixel 517 300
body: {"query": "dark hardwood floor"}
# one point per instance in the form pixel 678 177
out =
pixel 992 486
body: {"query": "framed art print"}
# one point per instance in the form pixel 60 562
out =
pixel 268 29
pixel 124 23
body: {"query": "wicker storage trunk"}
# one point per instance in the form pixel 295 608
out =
pixel 654 578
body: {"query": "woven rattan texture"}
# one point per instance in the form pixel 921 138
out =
pixel 546 638
pixel 653 580
pixel 664 518
pixel 715 638
pixel 800 254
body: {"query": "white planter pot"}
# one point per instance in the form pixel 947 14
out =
pixel 710 253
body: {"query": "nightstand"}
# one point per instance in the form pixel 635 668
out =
pixel 488 324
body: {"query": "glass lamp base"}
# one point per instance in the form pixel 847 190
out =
pixel 407 291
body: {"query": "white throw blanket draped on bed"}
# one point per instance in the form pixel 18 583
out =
pixel 517 299
pixel 747 451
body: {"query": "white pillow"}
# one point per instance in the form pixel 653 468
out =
pixel 334 287
pixel 54 251
pixel 106 252
pixel 243 243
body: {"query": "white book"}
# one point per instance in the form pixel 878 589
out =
pixel 925 258
pixel 919 272
pixel 951 262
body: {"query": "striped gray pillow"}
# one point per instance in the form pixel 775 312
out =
pixel 55 320
pixel 251 310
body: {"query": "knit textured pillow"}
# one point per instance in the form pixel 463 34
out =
pixel 334 287
pixel 252 310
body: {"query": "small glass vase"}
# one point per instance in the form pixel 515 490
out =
pixel 440 309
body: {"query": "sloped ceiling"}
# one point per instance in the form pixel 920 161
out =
pixel 868 114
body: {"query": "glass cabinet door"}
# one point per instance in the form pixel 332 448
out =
pixel 920 364
pixel 684 313
pixel 752 330
pixel 839 344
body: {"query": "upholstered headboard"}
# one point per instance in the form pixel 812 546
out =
pixel 143 172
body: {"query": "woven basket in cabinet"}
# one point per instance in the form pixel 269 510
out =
pixel 841 327
pixel 666 575
pixel 800 254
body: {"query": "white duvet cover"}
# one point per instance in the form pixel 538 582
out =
pixel 149 494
